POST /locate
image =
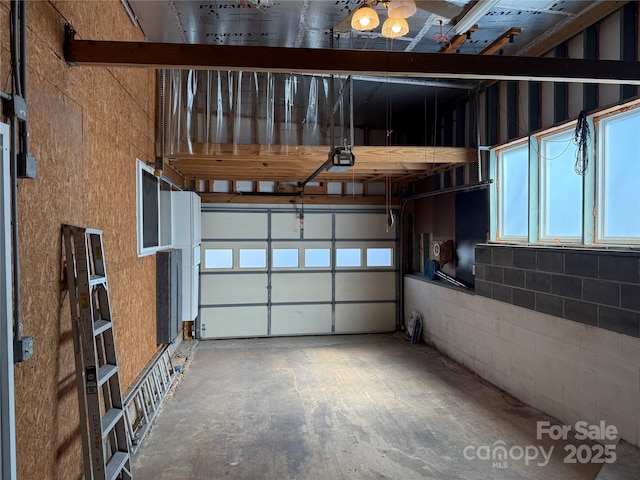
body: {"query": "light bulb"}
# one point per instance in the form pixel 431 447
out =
pixel 364 21
pixel 396 28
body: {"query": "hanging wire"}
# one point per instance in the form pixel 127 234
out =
pixel 582 138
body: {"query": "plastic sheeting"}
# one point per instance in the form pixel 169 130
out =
pixel 206 109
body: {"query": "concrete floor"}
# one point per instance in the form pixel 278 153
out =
pixel 340 407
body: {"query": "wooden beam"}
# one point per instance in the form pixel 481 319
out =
pixel 346 62
pixel 296 200
pixel 316 155
pixel 457 40
pixel 501 41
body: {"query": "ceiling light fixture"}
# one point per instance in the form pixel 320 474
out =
pixel 476 12
pixel 365 18
pixel 395 27
pixel 401 8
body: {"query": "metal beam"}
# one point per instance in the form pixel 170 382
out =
pixel 346 62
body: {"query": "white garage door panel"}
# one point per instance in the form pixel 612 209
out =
pixel 287 225
pixel 356 318
pixel 233 322
pixel 366 286
pixel 241 225
pixel 300 319
pixel 299 287
pixel 229 288
pixel 370 225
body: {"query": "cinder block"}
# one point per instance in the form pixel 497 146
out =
pixel 565 331
pixel 550 261
pixel 537 322
pixel 548 347
pixel 611 368
pixel 483 354
pixel 601 291
pixel 629 349
pixel 599 340
pixel 548 383
pixel 581 358
pixel 623 268
pixel 503 329
pixel 501 363
pixel 602 391
pixel 578 406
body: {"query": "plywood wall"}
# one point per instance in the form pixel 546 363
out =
pixel 88 126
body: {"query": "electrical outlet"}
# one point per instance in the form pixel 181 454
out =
pixel 22 349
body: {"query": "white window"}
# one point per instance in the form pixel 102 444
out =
pixel 253 258
pixel 285 258
pixel 153 208
pixel 317 258
pixel 379 257
pixel 618 178
pixel 348 257
pixel 218 258
pixel 560 189
pixel 513 194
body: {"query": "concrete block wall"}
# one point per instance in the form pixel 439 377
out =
pixel 595 287
pixel 569 370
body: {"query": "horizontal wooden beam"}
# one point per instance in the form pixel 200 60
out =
pixel 346 62
pixel 295 200
pixel 316 155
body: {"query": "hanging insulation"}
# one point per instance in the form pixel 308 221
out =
pixel 206 109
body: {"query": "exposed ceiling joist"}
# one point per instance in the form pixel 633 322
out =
pixel 501 41
pixel 457 40
pixel 356 62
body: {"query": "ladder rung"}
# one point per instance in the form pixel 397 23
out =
pixel 101 326
pixel 97 279
pixel 110 419
pixel 105 372
pixel 116 464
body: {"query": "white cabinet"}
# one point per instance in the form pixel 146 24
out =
pixel 186 235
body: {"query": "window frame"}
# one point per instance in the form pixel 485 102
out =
pixel 543 162
pixel 141 167
pixel 500 193
pixel 599 188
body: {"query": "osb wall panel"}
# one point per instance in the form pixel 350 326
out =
pixel 87 126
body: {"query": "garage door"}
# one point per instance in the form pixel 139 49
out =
pixel 264 272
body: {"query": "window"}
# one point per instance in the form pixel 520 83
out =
pixel 285 258
pixel 618 178
pixel 348 257
pixel 379 257
pixel 513 199
pixel 540 197
pixel 560 189
pixel 253 258
pixel 218 258
pixel 153 199
pixel 317 257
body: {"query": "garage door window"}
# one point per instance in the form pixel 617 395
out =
pixel 253 258
pixel 218 258
pixel 348 257
pixel 285 258
pixel 317 258
pixel 379 257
